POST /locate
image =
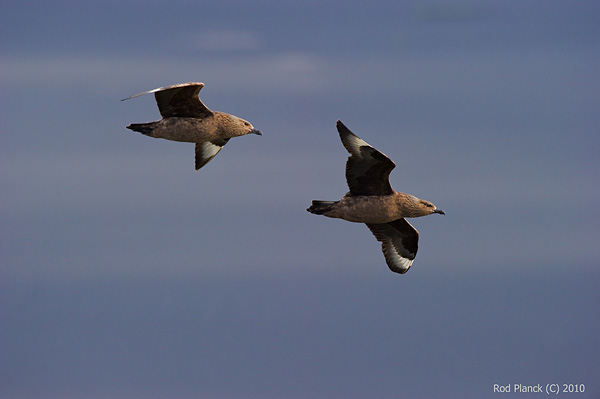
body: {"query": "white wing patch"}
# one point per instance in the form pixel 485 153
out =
pixel 205 152
pixel 395 261
pixel 355 142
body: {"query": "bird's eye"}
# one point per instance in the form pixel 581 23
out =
pixel 246 123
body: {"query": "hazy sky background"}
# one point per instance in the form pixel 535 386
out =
pixel 125 273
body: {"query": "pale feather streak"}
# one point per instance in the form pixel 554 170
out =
pixel 205 152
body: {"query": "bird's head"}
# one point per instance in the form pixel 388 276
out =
pixel 428 208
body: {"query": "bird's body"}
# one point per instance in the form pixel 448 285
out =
pixel 371 200
pixel 373 209
pixel 191 130
pixel 187 119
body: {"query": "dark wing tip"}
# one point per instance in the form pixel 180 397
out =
pixel 342 129
pixel 351 141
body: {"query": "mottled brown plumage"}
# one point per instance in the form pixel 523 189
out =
pixel 185 118
pixel 371 200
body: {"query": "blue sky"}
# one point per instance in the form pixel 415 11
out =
pixel 125 273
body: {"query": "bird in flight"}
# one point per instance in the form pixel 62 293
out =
pixel 185 118
pixel 371 200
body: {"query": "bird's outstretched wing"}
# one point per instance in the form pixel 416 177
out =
pixel 180 100
pixel 399 243
pixel 367 170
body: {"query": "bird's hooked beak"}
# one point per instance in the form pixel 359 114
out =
pixel 439 211
pixel 255 131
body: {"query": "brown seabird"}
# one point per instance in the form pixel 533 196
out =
pixel 185 118
pixel 371 200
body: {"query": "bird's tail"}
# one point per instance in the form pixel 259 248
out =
pixel 321 207
pixel 144 128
